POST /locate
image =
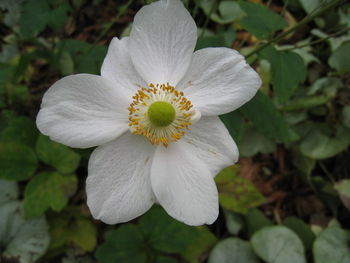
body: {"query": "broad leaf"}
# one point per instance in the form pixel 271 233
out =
pixel 260 21
pixel 340 59
pixel 278 244
pixel 17 161
pixel 155 235
pixel 25 240
pixel 267 119
pixel 237 194
pixel 343 189
pixel 332 245
pixel 288 70
pixel 301 229
pixel 233 250
pixel 57 155
pixel 8 191
pixel 48 190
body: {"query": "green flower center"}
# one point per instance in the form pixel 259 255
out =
pixel 161 113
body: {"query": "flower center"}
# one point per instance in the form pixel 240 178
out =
pixel 161 114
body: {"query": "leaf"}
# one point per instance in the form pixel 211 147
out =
pixel 260 21
pixel 155 235
pixel 346 116
pixel 340 59
pixel 233 250
pixel 34 18
pixel 57 155
pixel 125 244
pixel 343 189
pixel 311 5
pixel 237 194
pixel 228 11
pixel 25 240
pixel 234 124
pixel 8 191
pixel 278 244
pixel 288 70
pixel 256 220
pixel 332 246
pixel 254 142
pixel 17 161
pixel 301 229
pixel 234 222
pixel 48 190
pixel 70 227
pixel 318 145
pixel 266 119
pixel 21 130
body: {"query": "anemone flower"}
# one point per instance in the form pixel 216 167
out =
pixel 153 113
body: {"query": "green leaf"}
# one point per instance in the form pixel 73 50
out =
pixel 21 130
pixel 228 11
pixel 260 21
pixel 256 220
pixel 125 244
pixel 237 194
pixel 70 227
pixel 301 229
pixel 278 244
pixel 47 190
pixel 332 245
pixel 57 155
pixel 340 59
pixel 17 161
pixel 288 70
pixel 58 16
pixel 319 145
pixel 266 119
pixel 234 222
pixel 343 189
pixel 233 250
pixel 234 123
pixel 254 142
pixel 155 235
pixel 34 18
pixel 346 116
pixel 23 241
pixel 8 191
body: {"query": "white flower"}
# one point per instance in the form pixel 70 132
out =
pixel 153 115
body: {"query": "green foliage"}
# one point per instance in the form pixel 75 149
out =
pixel 301 229
pixel 48 190
pixel 233 250
pixel 260 21
pixel 278 244
pixel 227 11
pixel 343 189
pixel 155 235
pixel 17 161
pixel 25 240
pixel 332 245
pixel 57 155
pixel 267 119
pixel 340 59
pixel 320 145
pixel 71 227
pixel 256 220
pixel 236 194
pixel 21 130
pixel 288 70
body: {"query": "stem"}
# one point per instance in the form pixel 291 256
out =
pixel 213 7
pixel 319 40
pixel 303 22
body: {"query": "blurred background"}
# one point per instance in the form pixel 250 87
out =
pixel 288 198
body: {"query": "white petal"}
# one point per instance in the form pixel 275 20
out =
pixel 118 67
pixel 210 141
pixel 162 41
pixel 219 81
pixel 83 111
pixel 118 186
pixel 183 185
